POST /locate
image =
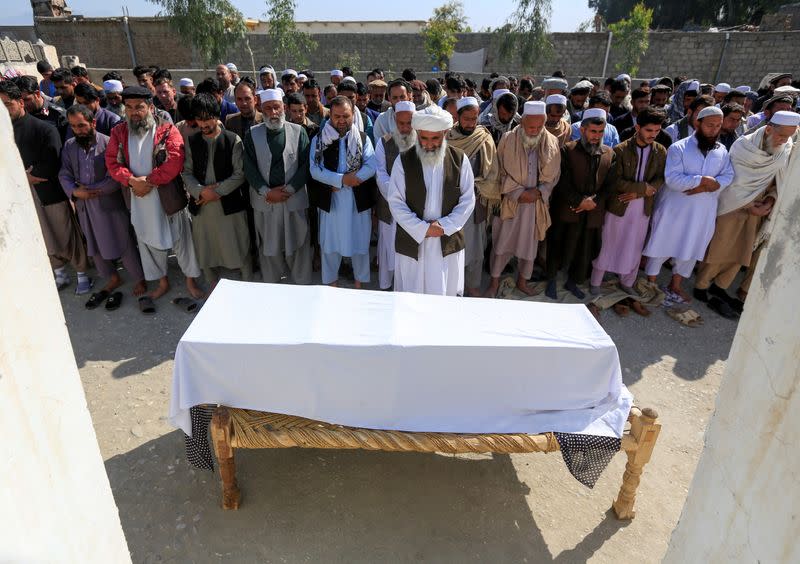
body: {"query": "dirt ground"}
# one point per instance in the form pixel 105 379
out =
pixel 354 506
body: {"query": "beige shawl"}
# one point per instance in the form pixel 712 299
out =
pixel 562 131
pixel 480 140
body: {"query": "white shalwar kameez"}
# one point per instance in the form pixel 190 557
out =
pixel 386 231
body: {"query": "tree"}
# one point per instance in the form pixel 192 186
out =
pixel 439 34
pixel 631 37
pixel 352 60
pixel 525 32
pixel 288 44
pixel 677 15
pixel 211 26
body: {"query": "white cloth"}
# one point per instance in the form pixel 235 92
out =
pixel 386 232
pixel 384 124
pixel 682 224
pixel 388 360
pixel 431 273
pixel 672 131
pixel 147 214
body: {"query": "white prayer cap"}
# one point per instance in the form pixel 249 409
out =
pixel 582 85
pixel 288 72
pixel 785 118
pixel 266 70
pixel 559 99
pixel 349 79
pixel 787 88
pixel 302 77
pixel 535 108
pixel 336 72
pixel 186 82
pixel 467 101
pixel 693 86
pixel 592 113
pixel 499 92
pixel 270 95
pixel 744 89
pixel 404 106
pixel 232 67
pixel 112 86
pixel 709 111
pixel 432 118
pixel 555 83
pixel 723 87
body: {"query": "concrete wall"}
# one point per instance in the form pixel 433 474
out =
pixel 101 43
pixel 55 499
pixel 744 502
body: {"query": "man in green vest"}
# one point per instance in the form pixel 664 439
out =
pixel 431 197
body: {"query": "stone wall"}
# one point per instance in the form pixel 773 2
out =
pixel 21 56
pixel 101 43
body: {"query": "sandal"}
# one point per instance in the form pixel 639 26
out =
pixel 146 305
pixel 621 309
pixel 114 301
pixel 96 299
pixel 687 317
pixel 639 308
pixel 188 305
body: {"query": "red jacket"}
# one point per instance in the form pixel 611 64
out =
pixel 168 154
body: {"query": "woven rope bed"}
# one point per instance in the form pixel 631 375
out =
pixel 233 428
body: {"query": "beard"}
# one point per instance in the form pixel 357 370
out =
pixel 531 142
pixel 275 123
pixel 432 157
pixel 704 143
pixel 404 141
pixel 142 126
pixel 465 131
pixel 591 148
pixel 85 141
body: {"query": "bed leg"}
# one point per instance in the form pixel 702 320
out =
pixel 644 430
pixel 221 430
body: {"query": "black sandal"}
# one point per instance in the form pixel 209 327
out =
pixel 97 299
pixel 114 301
pixel 146 305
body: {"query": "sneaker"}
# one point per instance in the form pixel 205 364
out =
pixel 84 286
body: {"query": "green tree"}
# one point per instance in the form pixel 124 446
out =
pixel 352 60
pixel 668 14
pixel 289 45
pixel 439 34
pixel 631 37
pixel 212 27
pixel 525 32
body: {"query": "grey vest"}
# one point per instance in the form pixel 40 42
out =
pixel 299 200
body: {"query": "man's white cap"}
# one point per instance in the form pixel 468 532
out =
pixel 499 92
pixel 336 72
pixel 624 76
pixel 709 111
pixel 559 99
pixel 694 85
pixel 186 82
pixel 432 118
pixel 302 77
pixel 232 67
pixel 467 101
pixel 787 88
pixel 535 108
pixel 289 72
pixel 785 118
pixel 744 89
pixel 583 85
pixel 266 70
pixel 723 87
pixel 591 113
pixel 270 94
pixel 404 106
pixel 112 86
pixel 349 79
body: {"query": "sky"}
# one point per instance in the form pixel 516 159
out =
pixel 567 14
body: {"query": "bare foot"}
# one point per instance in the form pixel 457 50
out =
pixel 678 290
pixel 472 292
pixel 357 285
pixel 140 288
pixel 163 288
pixel 522 286
pixel 113 283
pixel 491 291
pixel 193 288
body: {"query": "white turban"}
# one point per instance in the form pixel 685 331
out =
pixel 289 72
pixel 559 99
pixel 432 118
pixel 467 101
pixel 112 86
pixel 336 72
pixel 270 94
pixel 709 111
pixel 722 87
pixel 535 108
pixel 404 106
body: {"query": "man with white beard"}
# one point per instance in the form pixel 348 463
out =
pixel 529 159
pixel 431 197
pixel 386 151
pixel 276 167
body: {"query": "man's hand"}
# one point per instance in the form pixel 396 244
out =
pixel 529 196
pixel 207 194
pixel 434 230
pixel 83 193
pixel 649 190
pixel 588 204
pixel 761 209
pixel 278 195
pixel 350 179
pixel 33 179
pixel 140 186
pixel 626 197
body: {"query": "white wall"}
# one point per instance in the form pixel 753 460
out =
pixel 744 502
pixel 55 499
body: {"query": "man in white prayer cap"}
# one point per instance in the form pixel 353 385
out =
pixel 387 148
pixel 529 159
pixel 743 212
pixel 113 91
pixel 276 154
pixel 478 145
pixel 186 86
pixel 225 78
pixel 336 77
pixel 431 197
pixel 698 169
pixel 267 77
pixel 558 122
pixel 343 165
pixel 720 90
pixel 234 73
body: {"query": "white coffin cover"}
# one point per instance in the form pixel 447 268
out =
pixel 400 361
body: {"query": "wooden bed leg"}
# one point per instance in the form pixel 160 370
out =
pixel 644 430
pixel 221 430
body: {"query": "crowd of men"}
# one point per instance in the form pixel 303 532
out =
pixel 277 178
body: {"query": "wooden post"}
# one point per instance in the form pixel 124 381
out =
pixel 644 429
pixel 221 430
